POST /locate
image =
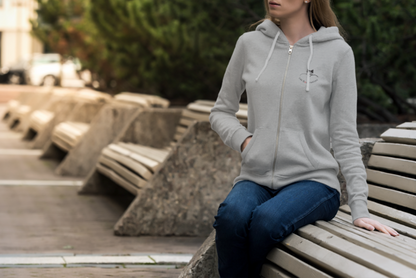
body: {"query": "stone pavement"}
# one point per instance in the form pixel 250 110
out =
pixel 42 216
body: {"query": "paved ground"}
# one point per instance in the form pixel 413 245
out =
pixel 48 220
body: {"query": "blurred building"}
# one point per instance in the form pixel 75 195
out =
pixel 16 42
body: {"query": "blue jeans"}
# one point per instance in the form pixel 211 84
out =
pixel 253 218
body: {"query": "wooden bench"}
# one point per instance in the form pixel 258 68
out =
pixel 19 110
pixel 188 158
pixel 132 165
pixel 339 249
pixel 41 118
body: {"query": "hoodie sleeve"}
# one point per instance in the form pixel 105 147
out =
pixel 222 118
pixel 343 131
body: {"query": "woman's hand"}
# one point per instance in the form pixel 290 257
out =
pixel 371 224
pixel 245 143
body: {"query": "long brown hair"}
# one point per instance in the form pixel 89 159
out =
pixel 319 13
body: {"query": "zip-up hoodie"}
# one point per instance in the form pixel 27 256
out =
pixel 299 97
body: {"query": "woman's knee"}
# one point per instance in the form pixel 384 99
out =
pixel 232 218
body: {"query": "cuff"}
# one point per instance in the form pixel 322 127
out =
pixel 238 138
pixel 359 209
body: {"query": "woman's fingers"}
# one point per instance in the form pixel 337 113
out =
pixel 371 224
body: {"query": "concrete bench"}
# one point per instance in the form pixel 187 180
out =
pixel 339 249
pixel 191 161
pixel 19 110
pixel 39 120
pixel 88 139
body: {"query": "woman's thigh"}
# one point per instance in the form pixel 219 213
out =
pixel 296 205
pixel 235 211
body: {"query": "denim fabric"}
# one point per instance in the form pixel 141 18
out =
pixel 253 218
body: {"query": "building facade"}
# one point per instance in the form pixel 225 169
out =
pixel 16 42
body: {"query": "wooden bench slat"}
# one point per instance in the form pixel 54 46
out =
pixel 391 180
pixel 181 130
pixel 120 181
pixel 327 259
pixel 194 115
pixel 293 265
pixel 177 137
pixel 392 214
pixel 128 162
pixel 397 135
pixel 404 230
pixel 398 245
pixel 392 196
pixel 147 162
pixel 271 271
pixel 186 122
pixel 158 155
pixel 62 144
pixel 395 149
pixel 355 252
pixel 393 164
pixel 368 244
pixel 407 125
pixel 122 171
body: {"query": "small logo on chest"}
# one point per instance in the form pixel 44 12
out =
pixel 313 77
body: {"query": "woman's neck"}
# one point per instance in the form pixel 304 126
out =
pixel 296 27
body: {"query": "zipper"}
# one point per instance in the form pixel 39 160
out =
pixel 280 110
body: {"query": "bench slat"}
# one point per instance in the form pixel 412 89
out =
pixel 392 196
pixel 195 116
pixel 122 171
pixel 147 162
pixel 404 230
pixel 114 177
pixel 327 259
pixel 62 144
pixel 158 155
pixel 397 135
pixel 393 164
pixel 130 163
pixel 394 149
pixel 392 214
pixel 186 122
pixel 181 130
pixel 391 180
pixel 271 271
pixel 294 265
pixel 407 125
pixel 366 243
pixel 399 244
pixel 355 252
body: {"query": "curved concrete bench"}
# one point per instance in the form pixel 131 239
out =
pixel 108 122
pixel 339 249
pixel 19 111
pixel 191 163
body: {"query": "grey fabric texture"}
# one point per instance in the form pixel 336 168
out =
pixel 292 117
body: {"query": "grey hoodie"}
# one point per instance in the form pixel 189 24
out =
pixel 292 114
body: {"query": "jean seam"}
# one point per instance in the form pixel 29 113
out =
pixel 312 209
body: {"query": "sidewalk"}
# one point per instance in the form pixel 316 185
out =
pixel 48 230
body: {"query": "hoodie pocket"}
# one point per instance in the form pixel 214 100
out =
pixel 257 157
pixel 294 156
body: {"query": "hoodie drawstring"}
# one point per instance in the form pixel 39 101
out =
pixel 308 73
pixel 269 56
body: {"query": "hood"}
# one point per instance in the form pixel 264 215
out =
pixel 270 29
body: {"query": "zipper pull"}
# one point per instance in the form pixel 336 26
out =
pixel 290 49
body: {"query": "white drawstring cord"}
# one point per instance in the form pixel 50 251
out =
pixel 270 55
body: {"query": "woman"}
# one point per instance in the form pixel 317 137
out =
pixel 299 76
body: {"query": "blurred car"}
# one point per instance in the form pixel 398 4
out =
pixel 15 74
pixel 44 70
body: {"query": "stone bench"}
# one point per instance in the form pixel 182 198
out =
pixel 184 174
pixel 18 111
pixel 339 249
pixel 39 120
pixel 86 140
